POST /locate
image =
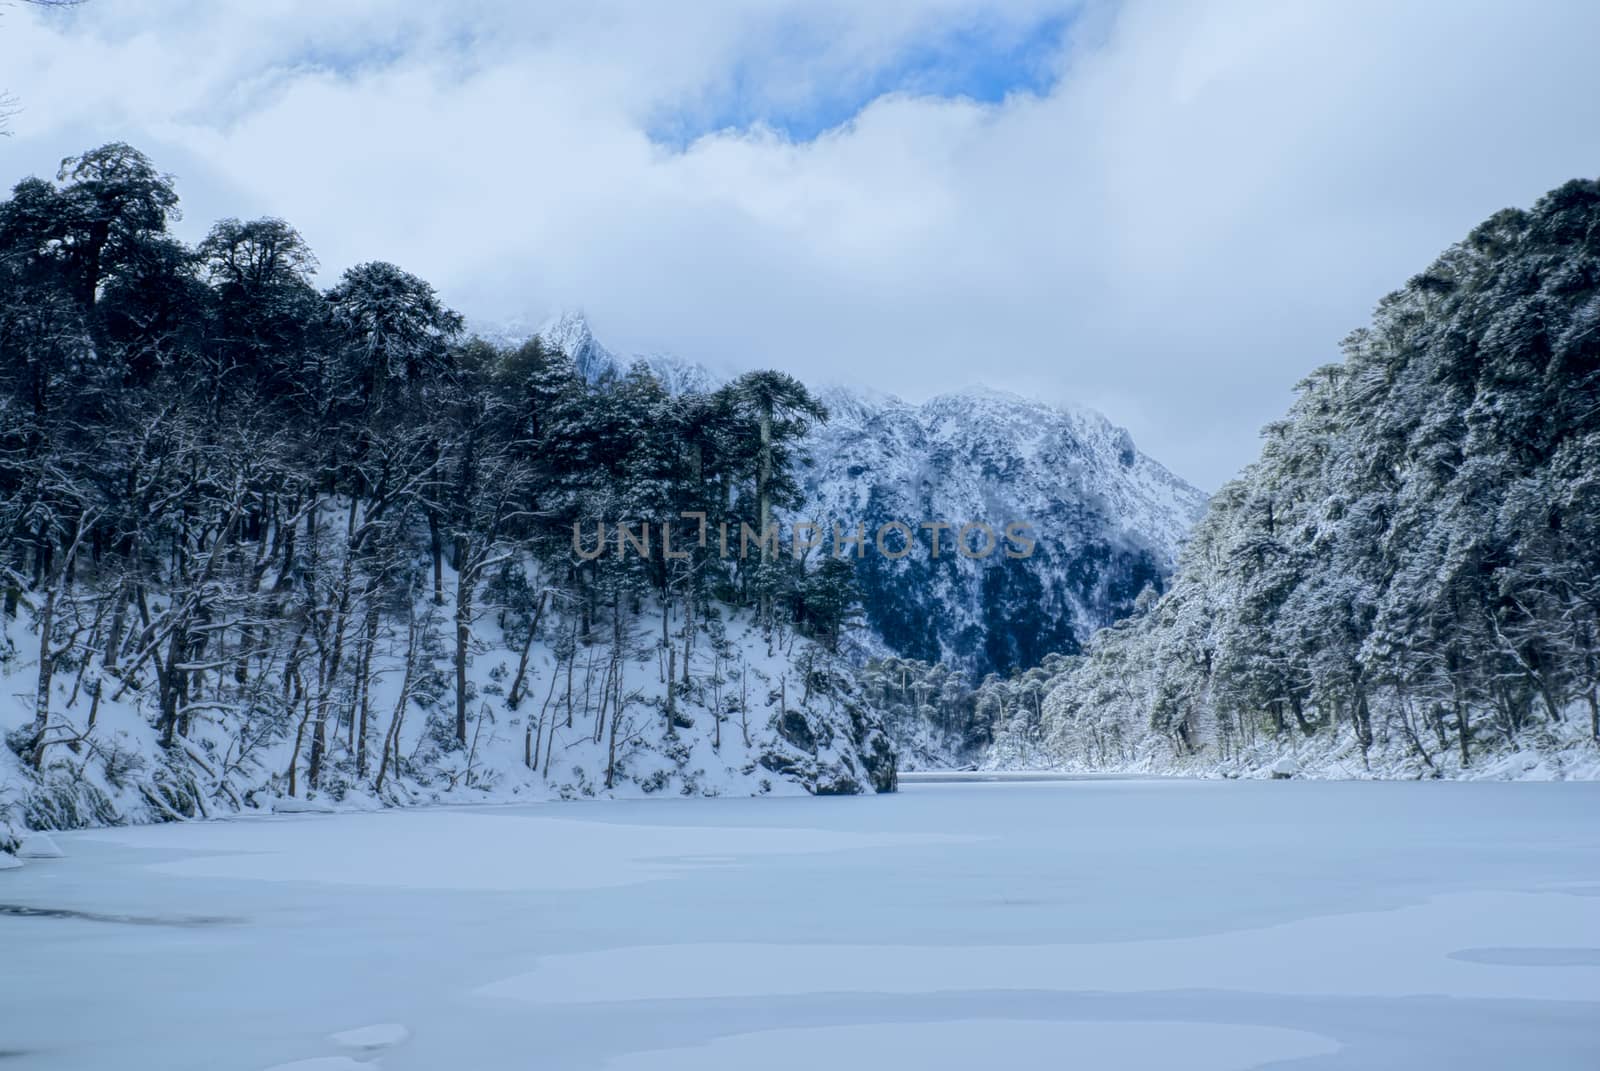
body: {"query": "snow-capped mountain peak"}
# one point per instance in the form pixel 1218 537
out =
pixel 571 333
pixel 1105 519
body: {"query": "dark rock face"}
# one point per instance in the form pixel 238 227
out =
pixel 793 727
pixel 837 747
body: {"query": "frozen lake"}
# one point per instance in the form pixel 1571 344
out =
pixel 1095 924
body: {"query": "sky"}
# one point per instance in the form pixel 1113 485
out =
pixel 1167 211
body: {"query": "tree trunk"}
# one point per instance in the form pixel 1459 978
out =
pixel 611 743
pixel 47 669
pixel 119 620
pixel 514 696
pixel 436 547
pixel 764 507
pixel 463 640
pixel 744 706
pixel 391 739
pixel 299 740
pixel 672 684
pixel 366 692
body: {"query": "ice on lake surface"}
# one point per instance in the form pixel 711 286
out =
pixel 1097 924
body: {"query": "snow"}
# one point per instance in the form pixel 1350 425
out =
pixel 9 862
pixel 1422 941
pixel 294 805
pixel 39 846
pixel 378 1036
pixel 1094 923
pixel 1564 752
pixel 693 761
pixel 570 333
pixel 1095 506
pixel 471 850
pixel 966 1044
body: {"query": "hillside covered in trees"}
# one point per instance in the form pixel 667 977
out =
pixel 1407 581
pixel 1106 519
pixel 261 542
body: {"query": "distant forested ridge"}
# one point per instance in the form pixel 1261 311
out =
pixel 1408 579
pixel 260 539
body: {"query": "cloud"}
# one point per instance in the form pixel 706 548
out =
pixel 1170 212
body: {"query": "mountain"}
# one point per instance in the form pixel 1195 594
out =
pixel 1406 582
pixel 1106 520
pixel 571 334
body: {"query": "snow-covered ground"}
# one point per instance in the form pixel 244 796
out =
pixel 789 724
pixel 1128 924
pixel 1561 752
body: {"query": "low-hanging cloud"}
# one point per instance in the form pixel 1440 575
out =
pixel 1204 200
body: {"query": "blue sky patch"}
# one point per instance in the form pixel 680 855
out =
pixel 980 61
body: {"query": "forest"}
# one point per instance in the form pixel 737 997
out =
pixel 274 520
pixel 264 544
pixel 1407 580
